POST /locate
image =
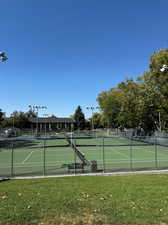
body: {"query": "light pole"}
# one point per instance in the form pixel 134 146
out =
pixel 46 115
pixel 13 120
pixel 36 108
pixel 92 108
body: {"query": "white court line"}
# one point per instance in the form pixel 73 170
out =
pixel 160 153
pixel 27 157
pixel 123 154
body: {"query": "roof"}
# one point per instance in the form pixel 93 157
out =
pixel 51 120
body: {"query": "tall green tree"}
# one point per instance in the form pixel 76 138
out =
pixel 123 105
pixel 97 120
pixel 79 118
pixel 19 119
pixel 110 103
pixel 131 113
pixel 156 89
pixel 31 114
pixel 158 77
pixel 2 117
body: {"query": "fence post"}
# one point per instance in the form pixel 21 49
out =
pixel 131 159
pixel 156 157
pixel 74 156
pixel 44 158
pixel 12 154
pixel 104 168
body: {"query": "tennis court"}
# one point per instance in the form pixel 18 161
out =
pixel 29 156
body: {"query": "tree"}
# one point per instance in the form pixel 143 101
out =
pixel 156 91
pixel 31 114
pixel 79 118
pixel 2 117
pixel 142 103
pixel 110 103
pixel 131 113
pixel 19 119
pixel 158 78
pixel 97 120
pixel 123 105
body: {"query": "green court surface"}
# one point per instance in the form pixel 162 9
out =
pixel 108 141
pixel 30 157
pixel 35 157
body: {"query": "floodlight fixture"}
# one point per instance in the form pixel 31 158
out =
pixel 37 107
pixel 164 68
pixel 92 107
pixel 3 57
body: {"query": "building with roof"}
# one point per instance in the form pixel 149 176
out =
pixel 51 123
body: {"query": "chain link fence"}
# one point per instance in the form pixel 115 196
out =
pixel 73 154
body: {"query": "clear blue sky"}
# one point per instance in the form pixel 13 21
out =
pixel 63 53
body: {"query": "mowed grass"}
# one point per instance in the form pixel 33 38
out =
pixel 120 200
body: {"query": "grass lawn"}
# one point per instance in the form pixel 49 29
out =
pixel 133 200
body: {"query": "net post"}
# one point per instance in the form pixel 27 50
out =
pixel 44 158
pixel 12 158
